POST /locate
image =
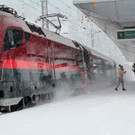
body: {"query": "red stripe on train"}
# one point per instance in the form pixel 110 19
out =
pixel 22 64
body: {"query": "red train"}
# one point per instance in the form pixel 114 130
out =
pixel 34 62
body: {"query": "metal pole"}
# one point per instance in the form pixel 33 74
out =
pixel 44 6
pixel 23 8
pixel 46 13
pixel 43 13
pixel 92 38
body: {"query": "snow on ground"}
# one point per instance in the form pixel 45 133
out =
pixel 99 112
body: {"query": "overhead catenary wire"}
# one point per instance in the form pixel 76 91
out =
pixel 70 20
pixel 29 5
pixel 62 11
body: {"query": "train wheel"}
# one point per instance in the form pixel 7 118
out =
pixel 14 108
pixel 21 105
pixel 4 109
pixel 27 102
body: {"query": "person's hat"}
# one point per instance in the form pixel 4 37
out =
pixel 120 66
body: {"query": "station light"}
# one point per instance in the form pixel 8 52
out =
pixel 93 4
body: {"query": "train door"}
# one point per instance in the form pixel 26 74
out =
pixel 82 61
pixel 91 63
pixel 51 57
pixel 87 61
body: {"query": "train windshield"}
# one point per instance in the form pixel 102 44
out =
pixel 13 39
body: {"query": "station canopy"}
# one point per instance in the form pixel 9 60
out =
pixel 114 17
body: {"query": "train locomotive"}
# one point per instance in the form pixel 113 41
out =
pixel 34 62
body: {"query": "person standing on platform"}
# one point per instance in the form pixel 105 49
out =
pixel 120 78
pixel 133 68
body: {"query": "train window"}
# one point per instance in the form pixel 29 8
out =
pixel 27 37
pixel 36 29
pixel 13 38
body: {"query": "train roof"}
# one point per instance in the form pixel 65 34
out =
pixel 48 34
pixel 99 55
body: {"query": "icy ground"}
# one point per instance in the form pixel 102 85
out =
pixel 99 112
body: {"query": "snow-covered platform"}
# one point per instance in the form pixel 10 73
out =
pixel 99 112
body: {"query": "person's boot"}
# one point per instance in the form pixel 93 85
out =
pixel 124 89
pixel 116 89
